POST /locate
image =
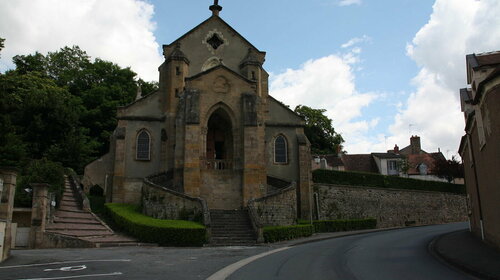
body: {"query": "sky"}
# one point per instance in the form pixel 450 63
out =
pixel 383 69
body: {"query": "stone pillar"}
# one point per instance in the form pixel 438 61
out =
pixel 118 189
pixel 8 178
pixel 192 176
pixel 192 142
pixel 38 214
pixel 304 193
pixel 254 162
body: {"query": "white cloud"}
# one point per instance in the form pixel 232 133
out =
pixel 349 2
pixel 355 40
pixel 328 83
pixel 116 30
pixel 455 28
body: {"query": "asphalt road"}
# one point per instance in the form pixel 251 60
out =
pixel 396 254
pixel 139 263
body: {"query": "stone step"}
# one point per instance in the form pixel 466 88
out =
pixel 82 233
pixel 233 236
pixel 74 214
pixel 75 226
pixel 245 230
pixel 77 220
pixel 71 209
pixel 231 226
pixel 69 203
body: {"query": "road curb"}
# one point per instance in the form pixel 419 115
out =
pixel 351 233
pixel 453 263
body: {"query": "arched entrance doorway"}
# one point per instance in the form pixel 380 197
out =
pixel 220 180
pixel 219 144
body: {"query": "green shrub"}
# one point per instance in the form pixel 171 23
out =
pixel 39 171
pixel 344 225
pixel 382 181
pixel 277 233
pixel 151 230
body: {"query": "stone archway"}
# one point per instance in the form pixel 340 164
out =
pixel 219 144
pixel 220 180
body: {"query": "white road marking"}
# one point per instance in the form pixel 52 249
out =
pixel 67 268
pixel 42 264
pixel 73 277
pixel 230 269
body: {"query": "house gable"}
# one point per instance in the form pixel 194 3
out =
pixel 211 41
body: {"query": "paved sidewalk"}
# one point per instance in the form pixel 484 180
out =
pixel 324 236
pixel 463 250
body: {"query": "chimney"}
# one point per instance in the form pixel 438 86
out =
pixel 415 145
pixel 396 149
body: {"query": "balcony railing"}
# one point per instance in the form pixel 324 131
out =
pixel 217 164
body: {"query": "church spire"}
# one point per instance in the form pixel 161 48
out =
pixel 215 8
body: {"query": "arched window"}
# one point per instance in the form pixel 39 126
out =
pixel 280 150
pixel 143 144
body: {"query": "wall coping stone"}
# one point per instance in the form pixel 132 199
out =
pixel 387 189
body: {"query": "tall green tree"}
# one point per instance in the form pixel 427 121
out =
pixel 2 44
pixel 62 106
pixel 99 86
pixel 319 130
pixel 449 169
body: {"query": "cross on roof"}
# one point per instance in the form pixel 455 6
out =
pixel 215 8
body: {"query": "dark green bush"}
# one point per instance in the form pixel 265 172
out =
pixel 344 225
pixel 39 171
pixel 382 181
pixel 277 233
pixel 147 229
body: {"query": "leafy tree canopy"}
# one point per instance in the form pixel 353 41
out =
pixel 449 169
pixel 319 130
pixel 2 40
pixel 61 106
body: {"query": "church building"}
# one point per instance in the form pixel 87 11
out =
pixel 211 129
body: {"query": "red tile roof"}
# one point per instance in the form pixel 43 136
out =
pixel 429 160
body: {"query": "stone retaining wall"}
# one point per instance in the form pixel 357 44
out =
pixel 161 203
pixel 391 207
pixel 279 208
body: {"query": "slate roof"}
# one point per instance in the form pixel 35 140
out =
pixel 387 155
pixel 332 160
pixel 360 162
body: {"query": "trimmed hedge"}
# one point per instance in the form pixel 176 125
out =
pixel 277 233
pixel 382 181
pixel 344 225
pixel 151 230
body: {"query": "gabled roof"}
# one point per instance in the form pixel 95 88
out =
pixel 332 160
pixel 214 17
pixel 387 155
pixel 360 163
pixel 221 66
pixel 407 150
pixel 475 61
pixel 429 160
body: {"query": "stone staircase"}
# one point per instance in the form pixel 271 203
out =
pixel 231 227
pixel 73 222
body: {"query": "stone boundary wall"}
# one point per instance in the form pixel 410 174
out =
pixel 391 207
pixel 279 208
pixel 162 203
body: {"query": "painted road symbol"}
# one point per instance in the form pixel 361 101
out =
pixel 68 268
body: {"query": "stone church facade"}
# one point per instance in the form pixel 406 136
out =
pixel 211 129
